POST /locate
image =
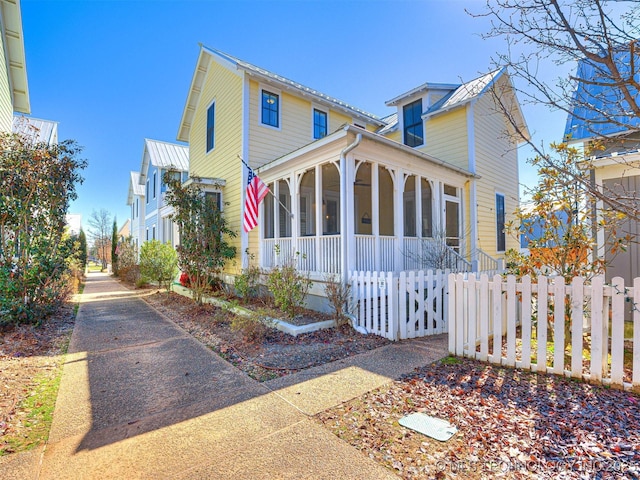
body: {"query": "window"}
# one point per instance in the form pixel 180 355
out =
pixel 155 182
pixel 147 191
pixel 173 175
pixel 185 176
pixel 500 220
pixel 319 123
pixel 154 233
pixel 214 197
pixel 147 235
pixel 412 121
pixel 270 109
pixel 137 207
pixel 211 111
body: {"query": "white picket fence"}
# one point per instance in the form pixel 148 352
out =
pixel 496 320
pixel 398 306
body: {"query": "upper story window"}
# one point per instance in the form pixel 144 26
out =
pixel 147 192
pixel 270 109
pixel 211 120
pixel 173 175
pixel 412 121
pixel 319 123
pixel 155 182
pixel 500 221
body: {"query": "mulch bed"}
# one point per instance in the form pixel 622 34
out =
pixel 26 354
pixel 277 354
pixel 511 424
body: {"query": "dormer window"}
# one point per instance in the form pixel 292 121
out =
pixel 412 122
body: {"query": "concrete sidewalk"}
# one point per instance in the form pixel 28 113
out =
pixel 140 398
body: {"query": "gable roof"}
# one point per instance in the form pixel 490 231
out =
pixel 36 129
pixel 13 39
pixel 163 155
pixel 428 86
pixel 135 187
pixel 235 64
pixel 599 107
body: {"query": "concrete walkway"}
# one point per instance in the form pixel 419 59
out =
pixel 140 398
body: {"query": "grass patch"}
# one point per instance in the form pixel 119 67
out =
pixel 38 414
pixel 450 361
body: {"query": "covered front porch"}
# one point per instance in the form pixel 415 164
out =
pixel 359 201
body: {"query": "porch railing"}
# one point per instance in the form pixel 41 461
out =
pixel 428 253
pixel 369 258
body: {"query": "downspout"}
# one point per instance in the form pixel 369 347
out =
pixel 343 206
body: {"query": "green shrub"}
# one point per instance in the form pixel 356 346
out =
pixel 289 288
pixel 158 262
pixel 247 284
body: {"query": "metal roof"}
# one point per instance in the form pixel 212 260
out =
pixel 135 187
pixel 36 129
pixel 391 124
pixel 465 93
pixel 420 89
pixel 599 108
pixel 167 155
pixel 253 69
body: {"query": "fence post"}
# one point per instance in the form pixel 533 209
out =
pixel 497 319
pixel 525 322
pixel 635 382
pixel 543 314
pixel 577 297
pixel 452 319
pixel 461 314
pixel 559 294
pixel 598 337
pixel 617 331
pixel 512 302
pixel 484 317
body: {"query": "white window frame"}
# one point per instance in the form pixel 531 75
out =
pixel 274 91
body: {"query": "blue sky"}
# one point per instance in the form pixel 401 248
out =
pixel 114 72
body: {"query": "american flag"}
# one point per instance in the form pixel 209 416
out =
pixel 256 191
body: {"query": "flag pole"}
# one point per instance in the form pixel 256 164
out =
pixel 268 189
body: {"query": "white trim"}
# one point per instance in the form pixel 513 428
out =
pixel 244 145
pixel 274 91
pixel 401 121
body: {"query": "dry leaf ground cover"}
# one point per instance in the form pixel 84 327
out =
pixel 30 368
pixel 511 424
pixel 276 354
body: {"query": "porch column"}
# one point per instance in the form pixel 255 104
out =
pixel 375 216
pixel 276 209
pixel 438 208
pixel 350 231
pixel 319 217
pixel 295 226
pixel 398 216
pixel 418 219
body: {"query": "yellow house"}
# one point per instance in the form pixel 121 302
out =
pixel 429 186
pixel 14 89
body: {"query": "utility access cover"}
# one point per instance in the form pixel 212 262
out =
pixel 430 426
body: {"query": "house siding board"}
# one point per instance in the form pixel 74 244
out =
pixel 497 165
pixel 446 137
pixel 225 87
pixel 6 97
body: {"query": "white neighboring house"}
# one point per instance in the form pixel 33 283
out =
pixel 150 215
pixel 36 129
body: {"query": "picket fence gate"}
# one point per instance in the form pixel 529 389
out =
pixel 496 320
pixel 398 306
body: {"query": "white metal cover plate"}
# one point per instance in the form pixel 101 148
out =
pixel 430 426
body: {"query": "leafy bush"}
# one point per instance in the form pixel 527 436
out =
pixel 34 248
pixel 339 295
pixel 247 284
pixel 127 262
pixel 158 262
pixel 289 288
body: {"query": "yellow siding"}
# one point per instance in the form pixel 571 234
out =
pixel 497 164
pixel 446 137
pixel 222 162
pixel 6 97
pixel 396 136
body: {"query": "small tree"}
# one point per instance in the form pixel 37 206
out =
pixel 203 250
pixel 289 287
pixel 158 262
pixel 82 249
pixel 114 247
pixel 37 181
pixel 128 268
pixel 100 232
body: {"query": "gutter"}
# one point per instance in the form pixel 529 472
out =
pixel 343 205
